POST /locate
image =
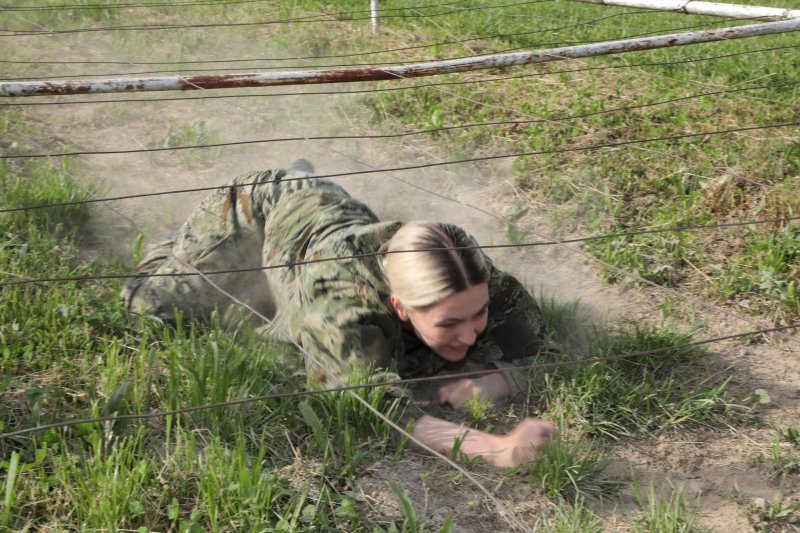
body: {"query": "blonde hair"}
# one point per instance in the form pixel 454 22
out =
pixel 420 279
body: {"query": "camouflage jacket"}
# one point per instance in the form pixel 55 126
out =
pixel 337 309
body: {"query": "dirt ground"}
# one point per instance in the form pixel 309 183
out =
pixel 719 471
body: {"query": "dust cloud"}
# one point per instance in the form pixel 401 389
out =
pixel 550 271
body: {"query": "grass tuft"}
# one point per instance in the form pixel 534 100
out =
pixel 571 467
pixel 646 394
pixel 662 514
pixel 570 518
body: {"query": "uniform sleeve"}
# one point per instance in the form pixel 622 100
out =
pixel 342 322
pixel 516 331
pixel 339 346
pixel 333 308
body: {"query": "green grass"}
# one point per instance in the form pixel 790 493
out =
pixel 768 267
pixel 570 518
pixel 785 453
pixel 571 468
pixel 641 395
pixel 780 514
pixel 665 513
pixel 192 133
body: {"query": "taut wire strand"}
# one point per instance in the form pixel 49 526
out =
pixel 401 382
pixel 414 167
pixel 676 229
pixel 300 20
pixel 330 65
pixel 563 118
pixel 331 56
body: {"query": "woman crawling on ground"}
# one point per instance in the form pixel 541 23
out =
pixel 415 313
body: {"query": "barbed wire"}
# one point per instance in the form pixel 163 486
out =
pixel 299 20
pixel 531 232
pixel 415 167
pixel 564 118
pixel 527 231
pixel 393 383
pixel 407 87
pixel 694 82
pixel 211 2
pixel 675 229
pixel 524 230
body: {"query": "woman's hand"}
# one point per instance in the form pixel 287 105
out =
pixel 522 443
pixel 518 447
pixel 455 394
pixel 488 387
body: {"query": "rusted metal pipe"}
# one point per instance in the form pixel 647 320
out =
pixel 696 7
pixel 226 81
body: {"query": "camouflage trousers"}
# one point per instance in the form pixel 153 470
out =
pixel 240 226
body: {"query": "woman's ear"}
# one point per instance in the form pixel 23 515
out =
pixel 399 309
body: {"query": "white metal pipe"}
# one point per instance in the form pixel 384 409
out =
pixel 373 14
pixel 222 81
pixel 696 7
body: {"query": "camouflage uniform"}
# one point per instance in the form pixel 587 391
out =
pixel 337 310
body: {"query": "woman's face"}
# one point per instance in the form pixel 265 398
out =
pixel 450 326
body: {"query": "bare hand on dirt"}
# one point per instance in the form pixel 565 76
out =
pixel 517 447
pixel 487 387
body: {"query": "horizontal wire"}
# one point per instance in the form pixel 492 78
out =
pixel 371 64
pixel 404 432
pixel 388 50
pixel 409 87
pixel 675 229
pixel 82 7
pixel 299 20
pixel 414 167
pixel 318 15
pixel 394 383
pixel 563 118
pixel 541 366
pixel 79 7
pixel 334 56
